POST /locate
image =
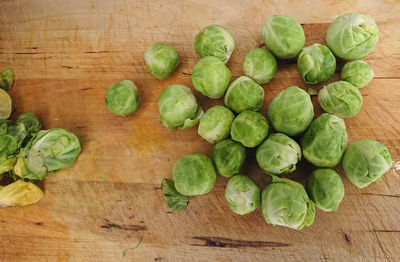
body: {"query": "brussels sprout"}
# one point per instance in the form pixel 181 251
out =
pixel 161 60
pixel 5 105
pixel 11 137
pixel 358 73
pixel 352 36
pixel 211 77
pixel 365 161
pixel 216 123
pixel 228 157
pixel 260 65
pixel 173 198
pixel 20 193
pixel 178 107
pixel 122 98
pixel 286 203
pixel 325 188
pixel 194 174
pixel 340 98
pixel 316 64
pixel 50 150
pixel 242 195
pixel 6 164
pixel 325 140
pixel 214 40
pixel 249 128
pixel 278 154
pixel 31 123
pixel 244 94
pixel 283 35
pixel 291 111
pixel 7 79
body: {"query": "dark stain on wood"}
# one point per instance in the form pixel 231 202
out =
pixel 233 243
pixel 86 88
pixel 124 227
pixel 68 67
pixel 346 237
pixel 39 223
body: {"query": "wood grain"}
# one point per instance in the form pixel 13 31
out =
pixel 65 55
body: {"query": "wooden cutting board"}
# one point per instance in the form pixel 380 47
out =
pixel 65 55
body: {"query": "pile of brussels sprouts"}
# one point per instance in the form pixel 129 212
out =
pixel 28 153
pixel 288 133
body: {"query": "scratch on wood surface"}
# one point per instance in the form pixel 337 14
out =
pixel 232 243
pixel 124 227
pixel 385 231
pixel 346 237
pixel 382 195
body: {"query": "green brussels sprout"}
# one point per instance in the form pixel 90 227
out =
pixel 31 123
pixel 283 35
pixel 352 36
pixel 7 79
pixel 291 111
pixel 178 107
pixel 249 128
pixel 173 198
pixel 325 140
pixel 286 203
pixel 11 137
pixel 6 164
pixel 211 77
pixel 228 157
pixel 244 94
pixel 122 98
pixel 161 60
pixel 358 73
pixel 5 105
pixel 365 161
pixel 316 64
pixel 242 195
pixel 325 188
pixel 194 174
pixel 260 65
pixel 20 193
pixel 214 40
pixel 50 150
pixel 216 123
pixel 278 154
pixel 340 98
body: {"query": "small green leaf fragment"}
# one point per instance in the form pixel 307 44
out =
pixel 173 198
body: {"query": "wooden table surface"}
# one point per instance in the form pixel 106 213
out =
pixel 65 55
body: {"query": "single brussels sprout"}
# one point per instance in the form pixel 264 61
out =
pixel 216 123
pixel 178 107
pixel 286 203
pixel 278 154
pixel 244 94
pixel 365 161
pixel 249 128
pixel 242 195
pixel 7 79
pixel 260 65
pixel 6 164
pixel 316 64
pixel 325 188
pixel 31 123
pixel 325 140
pixel 340 98
pixel 5 105
pixel 291 111
pixel 211 77
pixel 11 137
pixel 228 157
pixel 352 36
pixel 194 174
pixel 20 193
pixel 214 40
pixel 358 73
pixel 50 150
pixel 283 35
pixel 161 60
pixel 122 98
pixel 173 198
